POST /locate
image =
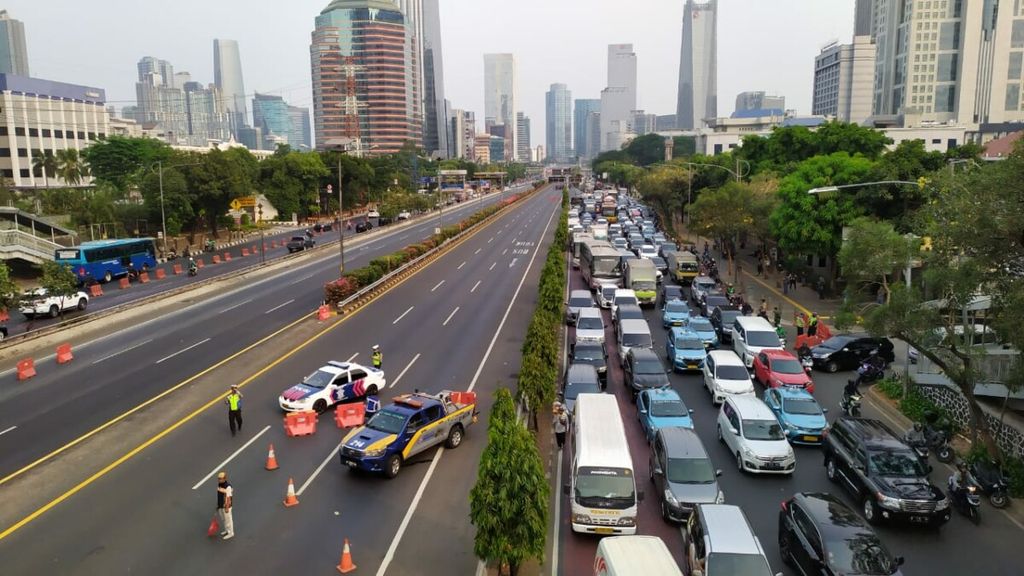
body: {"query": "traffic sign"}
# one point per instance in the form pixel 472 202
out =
pixel 236 205
pixel 248 201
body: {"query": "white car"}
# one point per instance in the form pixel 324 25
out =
pixel 589 325
pixel 725 376
pixel 647 251
pixel 330 384
pixel 700 287
pixel 404 215
pixel 37 303
pixel 606 294
pixel 373 214
pixel 623 296
pixel 754 436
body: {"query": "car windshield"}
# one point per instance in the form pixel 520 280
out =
pixel 689 343
pixel 859 553
pixel 589 323
pixel 574 389
pixel 634 340
pixel 387 421
pixel 738 564
pixel 801 406
pixel 673 293
pixel 715 300
pixel 762 430
pixel 620 300
pixel 705 286
pixel 580 302
pixel 669 408
pixel 587 352
pixel 605 488
pixel 835 342
pixel 690 471
pixel 732 373
pixel 677 306
pixel 895 463
pixel 648 367
pixel 632 312
pixel 787 366
pixel 319 379
pixel 763 339
pixel 608 292
pixel 700 325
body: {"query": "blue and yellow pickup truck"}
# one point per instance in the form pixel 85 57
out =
pixel 409 425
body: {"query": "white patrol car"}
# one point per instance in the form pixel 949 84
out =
pixel 330 384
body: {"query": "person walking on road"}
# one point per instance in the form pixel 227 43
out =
pixel 812 325
pixel 561 424
pixel 225 502
pixel 234 402
pixel 378 356
pixel 762 309
pixel 821 287
pixel 776 317
pixel 799 322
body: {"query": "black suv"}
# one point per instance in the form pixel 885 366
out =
pixel 643 369
pixel 593 353
pixel 886 477
pixel 722 319
pixel 820 535
pixel 847 351
pixel 364 226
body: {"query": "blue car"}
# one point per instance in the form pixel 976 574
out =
pixel 685 350
pixel 661 408
pixel 802 419
pixel 675 313
pixel 705 331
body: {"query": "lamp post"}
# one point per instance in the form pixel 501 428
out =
pixel 263 247
pixel 160 177
pixel 689 181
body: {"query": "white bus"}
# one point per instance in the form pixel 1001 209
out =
pixel 600 264
pixel 602 490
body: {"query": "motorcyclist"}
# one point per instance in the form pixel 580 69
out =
pixel 192 267
pixel 958 481
pixel 804 351
pixel 780 332
pixel 850 390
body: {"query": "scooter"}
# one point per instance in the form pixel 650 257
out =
pixel 965 500
pixel 937 440
pixel 851 405
pixel 808 363
pixel 991 482
pixel 870 371
pixel 915 439
pixel 193 270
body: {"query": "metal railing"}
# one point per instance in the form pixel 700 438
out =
pixel 16 240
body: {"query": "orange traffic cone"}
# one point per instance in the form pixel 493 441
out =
pixel 271 459
pixel 346 564
pixel 289 498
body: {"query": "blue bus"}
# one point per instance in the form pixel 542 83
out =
pixel 104 260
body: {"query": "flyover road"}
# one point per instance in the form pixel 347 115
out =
pixel 116 372
pixel 958 548
pixel 456 324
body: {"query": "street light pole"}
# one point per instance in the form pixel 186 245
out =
pixel 163 219
pixel 341 218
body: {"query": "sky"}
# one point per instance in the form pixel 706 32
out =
pixel 765 45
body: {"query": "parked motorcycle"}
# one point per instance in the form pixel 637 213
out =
pixel 965 499
pixel 871 370
pixel 991 482
pixel 937 438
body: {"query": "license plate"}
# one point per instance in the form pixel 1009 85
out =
pixel 691 366
pixel 350 463
pixel 771 466
pixel 810 438
pixel 919 519
pixel 604 531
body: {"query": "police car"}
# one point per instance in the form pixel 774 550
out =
pixel 330 384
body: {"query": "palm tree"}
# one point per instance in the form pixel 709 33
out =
pixel 71 166
pixel 46 163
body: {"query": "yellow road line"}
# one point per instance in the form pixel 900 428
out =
pixel 795 304
pixel 127 456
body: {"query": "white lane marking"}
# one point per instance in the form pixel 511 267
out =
pixel 445 323
pixel 460 266
pixel 437 286
pixel 109 356
pixel 353 357
pixel 505 251
pixel 403 315
pixel 477 251
pixel 319 469
pixel 363 248
pixel 491 240
pixel 183 350
pixel 230 308
pixel 403 237
pixel 306 277
pixel 389 556
pixel 279 306
pixel 492 266
pixel 557 518
pixel 221 466
pixel 404 370
pixel 513 262
pixel 8 430
pixel 473 289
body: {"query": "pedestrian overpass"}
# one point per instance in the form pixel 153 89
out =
pixel 28 238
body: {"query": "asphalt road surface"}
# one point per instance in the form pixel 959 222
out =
pixel 958 548
pixel 457 324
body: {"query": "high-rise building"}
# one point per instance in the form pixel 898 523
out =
pixel 558 123
pixel 698 65
pixel 862 17
pixel 592 133
pixel 958 61
pixel 666 122
pixel 160 103
pixel 150 65
pixel 300 136
pixel 843 76
pixel 522 137
pixel 618 100
pixel 759 100
pixel 435 109
pixel 500 94
pixel 582 107
pixel 463 133
pixel 364 77
pixel 227 75
pixel 482 148
pixel 205 113
pixel 271 113
pixel 643 123
pixel 13 50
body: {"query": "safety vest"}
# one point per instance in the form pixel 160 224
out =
pixel 800 321
pixel 377 357
pixel 814 320
pixel 234 401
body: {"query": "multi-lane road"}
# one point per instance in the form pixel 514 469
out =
pixel 137 496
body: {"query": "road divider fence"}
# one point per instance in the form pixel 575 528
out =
pixel 301 423
pixel 64 353
pixel 26 369
pixel 350 415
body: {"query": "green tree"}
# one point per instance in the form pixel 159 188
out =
pixel 874 254
pixel 58 281
pixel 178 201
pixel 665 187
pixel 119 160
pixel 45 163
pixel 509 502
pixel 9 296
pixel 908 161
pixel 647 149
pixel 71 167
pixel 724 214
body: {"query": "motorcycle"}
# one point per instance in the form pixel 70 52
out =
pixel 965 500
pixel 193 270
pixel 915 439
pixel 851 405
pixel 870 370
pixel 209 246
pixel 937 439
pixel 991 482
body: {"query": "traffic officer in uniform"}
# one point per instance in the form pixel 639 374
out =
pixel 378 356
pixel 372 406
pixel 234 402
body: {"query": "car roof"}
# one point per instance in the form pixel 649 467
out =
pixel 728 308
pixel 873 433
pixel 644 354
pixel 581 373
pixel 751 407
pixel 682 331
pixel 722 522
pixel 625 292
pixel 590 311
pixel 776 354
pixel 579 294
pixel 831 515
pixel 682 442
pixel 794 392
pixel 722 357
pixel 634 325
pixel 704 279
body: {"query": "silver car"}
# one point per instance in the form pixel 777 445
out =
pixel 589 325
pixel 577 299
pixel 682 473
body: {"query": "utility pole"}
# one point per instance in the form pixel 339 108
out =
pixel 341 217
pixel 163 219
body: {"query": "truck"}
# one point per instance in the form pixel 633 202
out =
pixel 409 425
pixel 683 266
pixel 641 276
pixel 609 206
pixel 298 243
pixel 634 556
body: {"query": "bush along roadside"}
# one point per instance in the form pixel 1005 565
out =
pixel 351 282
pixel 538 374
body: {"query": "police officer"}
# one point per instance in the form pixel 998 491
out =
pixel 234 402
pixel 812 325
pixel 799 321
pixel 372 405
pixel 378 356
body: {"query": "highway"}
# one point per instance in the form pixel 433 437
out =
pixel 958 548
pixel 138 496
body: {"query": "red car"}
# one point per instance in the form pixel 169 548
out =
pixel 775 368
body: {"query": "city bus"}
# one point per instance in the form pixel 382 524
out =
pixel 602 488
pixel 610 208
pixel 104 260
pixel 600 264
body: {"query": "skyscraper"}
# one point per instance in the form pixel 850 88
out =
pixel 759 100
pixel 618 100
pixel 150 65
pixel 500 95
pixel 205 113
pixel 159 102
pixel 843 80
pixel 435 111
pixel 698 65
pixel 463 134
pixel 13 51
pixel 558 123
pixel 522 137
pixel 270 112
pixel 583 107
pixel 364 77
pixel 300 136
pixel 227 75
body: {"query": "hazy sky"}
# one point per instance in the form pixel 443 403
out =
pixel 762 45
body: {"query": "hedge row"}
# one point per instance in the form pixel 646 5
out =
pixel 350 283
pixel 538 375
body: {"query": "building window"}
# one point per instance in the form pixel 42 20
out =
pixel 8 173
pixel 945 98
pixel 5 152
pixel 69 135
pixel 950 36
pixel 46 132
pixel 24 172
pixel 1012 97
pixel 58 134
pixel 3 130
pixel 1017 35
pixel 947 67
pixel 22 152
pixel 19 131
pixel 81 135
pixel 936 140
pixel 33 132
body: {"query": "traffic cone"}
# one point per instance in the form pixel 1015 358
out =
pixel 346 564
pixel 289 498
pixel 271 459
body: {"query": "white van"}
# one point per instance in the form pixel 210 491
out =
pixel 751 335
pixel 632 333
pixel 634 556
pixel 602 490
